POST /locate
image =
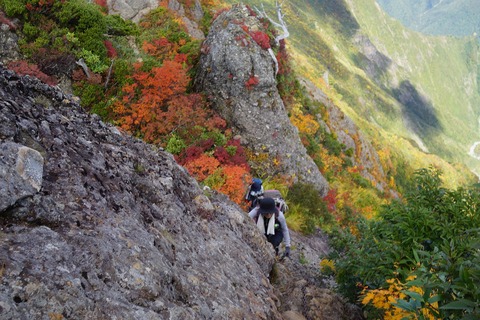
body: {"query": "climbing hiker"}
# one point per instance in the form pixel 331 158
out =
pixel 254 192
pixel 272 223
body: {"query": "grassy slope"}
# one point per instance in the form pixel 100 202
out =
pixel 321 39
pixel 440 68
pixel 439 17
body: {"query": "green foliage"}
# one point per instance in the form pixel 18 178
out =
pixel 117 26
pixel 433 232
pixel 161 23
pixel 74 26
pixel 13 8
pixel 333 146
pixel 175 145
pixel 121 69
pixel 192 50
pixel 93 61
pixel 449 275
pixel 30 31
pixel 218 137
pixel 310 204
pixel 89 26
pixel 231 150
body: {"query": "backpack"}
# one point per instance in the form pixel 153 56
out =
pixel 279 201
pixel 255 192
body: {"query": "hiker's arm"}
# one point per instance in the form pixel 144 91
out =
pixel 253 214
pixel 286 234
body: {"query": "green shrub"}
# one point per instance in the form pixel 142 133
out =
pixel 89 94
pixel 13 8
pixel 333 146
pixel 433 234
pixel 93 61
pixel 310 204
pixel 117 26
pixel 30 31
pixel 218 138
pixel 175 145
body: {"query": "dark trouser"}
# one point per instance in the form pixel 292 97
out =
pixel 275 239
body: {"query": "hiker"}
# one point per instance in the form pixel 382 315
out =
pixel 254 191
pixel 272 223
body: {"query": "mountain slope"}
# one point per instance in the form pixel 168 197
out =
pixel 438 17
pixel 414 95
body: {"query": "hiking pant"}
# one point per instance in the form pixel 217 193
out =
pixel 275 239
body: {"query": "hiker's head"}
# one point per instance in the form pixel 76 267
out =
pixel 267 207
pixel 256 185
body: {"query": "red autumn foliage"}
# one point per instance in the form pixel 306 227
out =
pixel 160 48
pixel 102 3
pixel 145 99
pixel 236 178
pixel 111 52
pixel 283 62
pixel 190 154
pixel 331 200
pixel 22 67
pixel 239 158
pixel 42 6
pixel 202 166
pixel 252 81
pixel 206 144
pixel 180 58
pixel 261 38
pixel 215 122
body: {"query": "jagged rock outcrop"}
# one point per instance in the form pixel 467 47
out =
pixel 116 229
pixel 239 79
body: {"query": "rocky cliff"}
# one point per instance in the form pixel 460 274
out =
pixel 238 75
pixel 95 224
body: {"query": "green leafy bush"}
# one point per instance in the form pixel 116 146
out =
pixel 175 145
pixel 433 234
pixel 311 206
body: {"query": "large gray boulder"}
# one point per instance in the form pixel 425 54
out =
pixel 230 59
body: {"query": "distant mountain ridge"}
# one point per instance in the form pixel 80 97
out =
pixel 436 17
pixel 414 95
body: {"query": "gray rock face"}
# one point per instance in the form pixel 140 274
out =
pixel 21 170
pixel 230 59
pixel 196 13
pixel 131 9
pixel 8 44
pixel 118 230
pixel 135 9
